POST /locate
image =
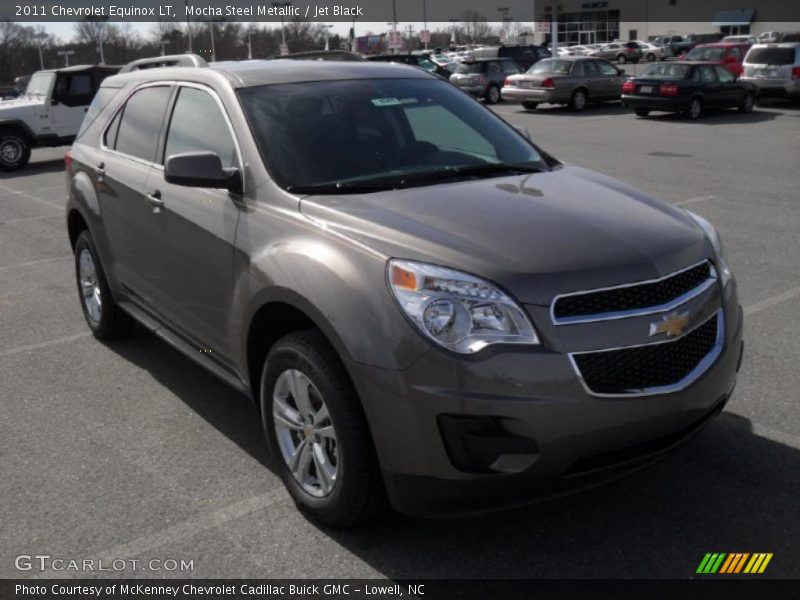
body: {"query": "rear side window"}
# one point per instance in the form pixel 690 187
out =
pixel 723 74
pixel 606 68
pixel 466 67
pixel 197 125
pixel 101 98
pixel 141 122
pixel 771 56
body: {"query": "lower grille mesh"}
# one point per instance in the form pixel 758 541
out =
pixel 631 370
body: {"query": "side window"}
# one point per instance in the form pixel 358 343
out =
pixel 607 69
pixel 735 53
pixel 494 68
pixel 707 74
pixel 578 69
pixel 510 67
pixel 141 122
pixel 73 90
pixel 110 136
pixel 723 74
pixel 197 125
pixel 590 68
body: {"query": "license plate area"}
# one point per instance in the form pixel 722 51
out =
pixel 646 89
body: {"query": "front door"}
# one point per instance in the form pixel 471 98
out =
pixel 196 227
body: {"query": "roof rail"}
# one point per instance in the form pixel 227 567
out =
pixel 172 60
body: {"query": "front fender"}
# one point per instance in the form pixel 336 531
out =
pixel 338 284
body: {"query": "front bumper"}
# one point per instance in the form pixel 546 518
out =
pixel 579 440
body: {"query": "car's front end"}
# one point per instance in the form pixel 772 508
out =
pixel 557 370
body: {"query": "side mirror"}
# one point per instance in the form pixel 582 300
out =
pixel 201 169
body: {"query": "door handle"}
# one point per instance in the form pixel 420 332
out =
pixel 100 170
pixel 154 198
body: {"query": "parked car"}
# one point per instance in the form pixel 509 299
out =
pixel 422 304
pixel 654 52
pixel 524 55
pixel 677 43
pixel 704 38
pixel 484 77
pixel 622 52
pixel 49 113
pixel 768 37
pixel 730 56
pixel 688 88
pixel 415 60
pixel 573 81
pixel 774 69
pixel 789 37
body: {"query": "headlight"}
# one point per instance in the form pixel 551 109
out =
pixel 713 237
pixel 458 311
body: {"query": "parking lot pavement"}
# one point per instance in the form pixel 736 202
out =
pixel 128 450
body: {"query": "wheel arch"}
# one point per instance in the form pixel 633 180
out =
pixel 20 127
pixel 76 223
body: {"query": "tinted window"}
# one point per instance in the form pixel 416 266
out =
pixel 667 70
pixel 771 56
pixel 354 131
pixel 723 74
pixel 141 122
pixel 711 54
pixel 466 67
pixel 707 74
pixel 194 107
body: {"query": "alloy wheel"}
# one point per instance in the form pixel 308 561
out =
pixel 305 433
pixel 90 286
pixel 694 108
pixel 494 95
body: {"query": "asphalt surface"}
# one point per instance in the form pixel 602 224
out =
pixel 129 450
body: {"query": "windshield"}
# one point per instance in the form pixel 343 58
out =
pixel 39 85
pixel 711 54
pixel 382 131
pixel 667 70
pixel 770 56
pixel 556 67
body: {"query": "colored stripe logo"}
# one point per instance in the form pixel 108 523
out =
pixel 734 563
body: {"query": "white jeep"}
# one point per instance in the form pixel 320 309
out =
pixel 48 113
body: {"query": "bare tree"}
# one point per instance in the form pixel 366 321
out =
pixel 475 28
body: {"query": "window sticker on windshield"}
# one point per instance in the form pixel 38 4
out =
pixel 385 101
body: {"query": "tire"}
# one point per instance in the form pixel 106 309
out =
pixel 641 112
pixel 694 109
pixel 748 103
pixel 346 485
pixel 105 319
pixel 492 95
pixel 528 105
pixel 578 100
pixel 651 57
pixel 622 59
pixel 15 150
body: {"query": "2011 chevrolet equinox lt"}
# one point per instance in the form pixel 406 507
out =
pixel 426 308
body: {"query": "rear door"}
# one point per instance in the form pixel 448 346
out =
pixel 732 92
pixel 196 227
pixel 121 173
pixel 611 80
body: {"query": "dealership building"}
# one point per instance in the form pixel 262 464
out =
pixel 582 22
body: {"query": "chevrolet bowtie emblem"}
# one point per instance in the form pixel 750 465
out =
pixel 673 325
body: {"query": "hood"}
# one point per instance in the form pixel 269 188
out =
pixel 535 235
pixel 20 107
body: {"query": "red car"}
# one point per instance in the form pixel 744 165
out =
pixel 729 55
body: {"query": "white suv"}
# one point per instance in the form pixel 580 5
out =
pixel 774 68
pixel 49 113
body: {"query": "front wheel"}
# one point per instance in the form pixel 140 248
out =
pixel 622 59
pixel 15 151
pixel 317 432
pixel 748 103
pixel 105 319
pixel 651 57
pixel 641 112
pixel 492 95
pixel 528 105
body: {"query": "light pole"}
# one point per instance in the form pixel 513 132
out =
pixel 39 38
pixel 426 35
pixel 249 45
pixel 213 47
pixel 453 39
pixel 188 25
pixel 283 30
pixel 354 42
pixel 394 26
pixel 326 28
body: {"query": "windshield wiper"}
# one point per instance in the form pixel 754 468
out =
pixel 413 179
